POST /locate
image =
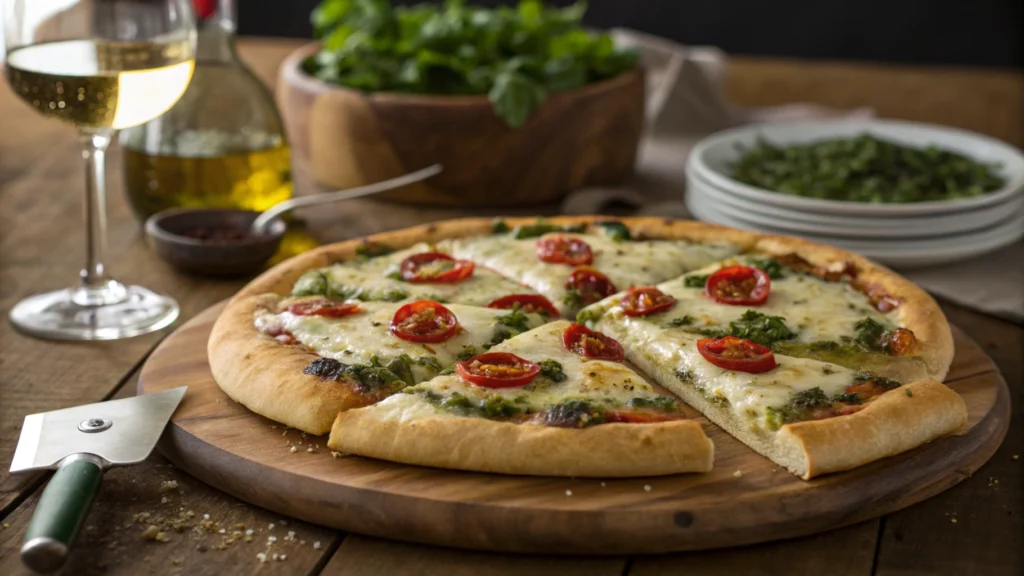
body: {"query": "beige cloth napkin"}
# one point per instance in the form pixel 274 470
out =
pixel 686 102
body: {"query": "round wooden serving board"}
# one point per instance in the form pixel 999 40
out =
pixel 745 499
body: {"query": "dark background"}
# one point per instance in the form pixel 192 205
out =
pixel 975 33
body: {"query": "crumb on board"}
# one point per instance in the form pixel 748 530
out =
pixel 603 484
pixel 316 545
pixel 1016 456
pixel 737 474
pixel 293 449
pixel 568 492
pixel 335 454
pixel 310 450
pixel 647 487
pixel 168 486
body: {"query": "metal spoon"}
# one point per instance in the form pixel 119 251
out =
pixel 259 226
pixel 255 236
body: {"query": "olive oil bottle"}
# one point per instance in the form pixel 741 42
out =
pixel 221 145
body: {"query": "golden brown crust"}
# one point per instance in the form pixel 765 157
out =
pixel 478 444
pixel 266 376
pixel 918 311
pixel 895 422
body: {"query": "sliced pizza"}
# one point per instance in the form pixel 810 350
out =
pixel 302 360
pixel 416 273
pixel 577 265
pixel 788 366
pixel 554 401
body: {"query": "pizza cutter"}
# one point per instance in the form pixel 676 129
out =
pixel 80 443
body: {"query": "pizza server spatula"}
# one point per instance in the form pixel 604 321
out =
pixel 79 443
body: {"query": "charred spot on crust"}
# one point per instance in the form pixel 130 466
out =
pixel 326 369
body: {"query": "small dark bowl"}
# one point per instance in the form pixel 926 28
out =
pixel 168 233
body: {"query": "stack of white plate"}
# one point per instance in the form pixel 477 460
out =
pixel 904 235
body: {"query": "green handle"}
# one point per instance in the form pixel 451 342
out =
pixel 60 512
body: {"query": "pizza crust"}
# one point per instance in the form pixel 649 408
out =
pixel 267 377
pixel 481 445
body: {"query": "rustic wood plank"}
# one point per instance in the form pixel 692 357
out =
pixel 364 556
pixel 848 551
pixel 156 493
pixel 976 527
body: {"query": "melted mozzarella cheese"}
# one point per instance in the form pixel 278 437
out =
pixel 603 382
pixel 748 395
pixel 357 338
pixel 370 280
pixel 626 264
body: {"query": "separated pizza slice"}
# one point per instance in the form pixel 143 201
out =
pixel 419 272
pixel 580 264
pixel 554 401
pixel 300 361
pixel 812 417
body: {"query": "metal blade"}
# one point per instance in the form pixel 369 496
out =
pixel 135 424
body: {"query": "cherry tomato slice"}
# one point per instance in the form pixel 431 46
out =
pixel 738 286
pixel 640 416
pixel 645 300
pixel 532 303
pixel 901 342
pixel 424 321
pixel 590 284
pixel 435 267
pixel 737 354
pixel 497 370
pixel 324 307
pixel 581 340
pixel 564 249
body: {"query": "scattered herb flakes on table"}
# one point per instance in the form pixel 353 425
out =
pixel 516 56
pixel 864 169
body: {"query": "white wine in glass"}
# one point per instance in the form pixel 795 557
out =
pixel 99 65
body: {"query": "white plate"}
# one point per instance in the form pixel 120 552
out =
pixel 711 158
pixel 900 253
pixel 794 222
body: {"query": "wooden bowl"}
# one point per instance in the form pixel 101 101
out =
pixel 345 138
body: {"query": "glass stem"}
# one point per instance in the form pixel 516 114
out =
pixel 94 276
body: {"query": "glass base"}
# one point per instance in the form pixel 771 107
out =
pixel 110 312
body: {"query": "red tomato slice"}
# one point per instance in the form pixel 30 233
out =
pixel 435 267
pixel 901 342
pixel 424 321
pixel 497 370
pixel 324 307
pixel 532 303
pixel 640 416
pixel 591 284
pixel 645 300
pixel 739 286
pixel 737 354
pixel 581 340
pixel 563 249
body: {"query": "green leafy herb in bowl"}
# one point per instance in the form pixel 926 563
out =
pixel 515 56
pixel 864 168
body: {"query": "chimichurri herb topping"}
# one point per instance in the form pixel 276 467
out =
pixel 696 280
pixel 756 327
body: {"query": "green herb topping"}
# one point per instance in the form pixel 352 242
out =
pixel 770 266
pixel 864 169
pixel 369 249
pixel 686 320
pixel 572 298
pixel 756 327
pixel 542 227
pixel 661 404
pixel 516 56
pixel 574 414
pixel 499 226
pixel 696 280
pixel 615 230
pixel 552 370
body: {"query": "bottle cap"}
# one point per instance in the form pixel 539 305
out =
pixel 204 8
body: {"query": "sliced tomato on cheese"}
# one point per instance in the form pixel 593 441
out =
pixel 435 267
pixel 564 249
pixel 424 321
pixel 497 370
pixel 590 284
pixel 590 344
pixel 901 342
pixel 641 301
pixel 738 286
pixel 731 353
pixel 531 303
pixel 323 307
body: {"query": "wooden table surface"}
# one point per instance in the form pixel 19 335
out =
pixel 974 528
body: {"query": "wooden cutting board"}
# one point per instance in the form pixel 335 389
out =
pixel 745 499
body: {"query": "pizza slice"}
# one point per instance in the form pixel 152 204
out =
pixel 300 361
pixel 554 401
pixel 787 365
pixel 416 273
pixel 577 265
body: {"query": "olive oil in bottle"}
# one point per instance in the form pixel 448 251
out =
pixel 221 146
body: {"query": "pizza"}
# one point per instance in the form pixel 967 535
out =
pixel 583 346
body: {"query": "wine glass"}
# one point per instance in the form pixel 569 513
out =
pixel 99 65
